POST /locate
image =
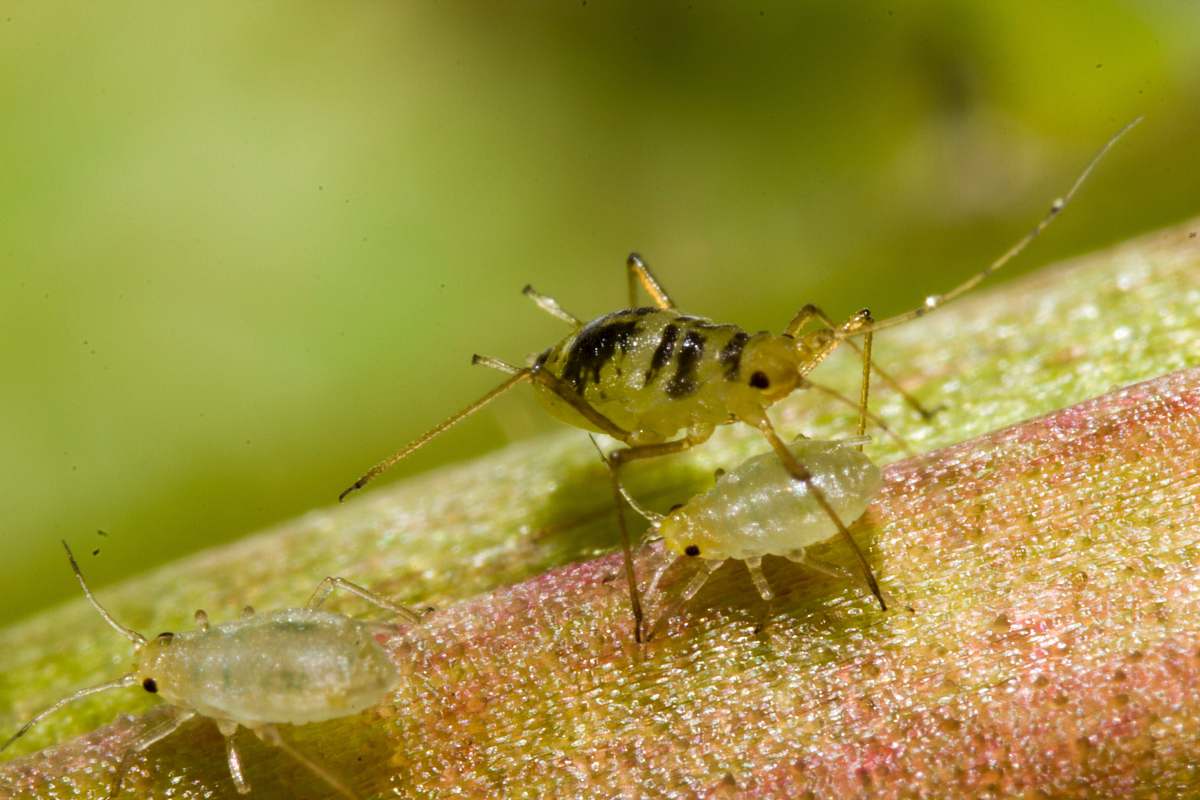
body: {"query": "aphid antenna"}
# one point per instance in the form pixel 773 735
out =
pixel 935 301
pixel 516 376
pixel 120 683
pixel 130 634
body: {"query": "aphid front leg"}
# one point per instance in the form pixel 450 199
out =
pixel 326 587
pixel 697 581
pixel 638 272
pixel 862 321
pixel 270 735
pixel 802 473
pixel 228 729
pixel 154 734
pixel 615 460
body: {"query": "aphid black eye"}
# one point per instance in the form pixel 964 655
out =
pixel 692 550
pixel 164 638
pixel 675 507
pixel 149 685
pixel 759 380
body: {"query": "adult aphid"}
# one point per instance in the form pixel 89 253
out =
pixel 757 510
pixel 644 374
pixel 293 666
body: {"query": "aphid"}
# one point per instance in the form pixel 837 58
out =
pixel 293 666
pixel 758 509
pixel 644 374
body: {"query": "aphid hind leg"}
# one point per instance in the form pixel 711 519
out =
pixel 802 473
pixel 326 587
pixel 551 306
pixel 638 272
pixel 270 735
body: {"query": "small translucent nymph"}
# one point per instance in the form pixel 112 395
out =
pixel 293 666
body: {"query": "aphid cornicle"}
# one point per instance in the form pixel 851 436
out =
pixel 293 666
pixel 758 509
pixel 644 374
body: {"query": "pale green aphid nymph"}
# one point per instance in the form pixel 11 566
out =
pixel 293 666
pixel 758 509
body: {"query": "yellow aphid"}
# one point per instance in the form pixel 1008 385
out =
pixel 293 666
pixel 660 381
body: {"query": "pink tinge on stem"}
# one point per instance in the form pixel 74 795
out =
pixel 1044 640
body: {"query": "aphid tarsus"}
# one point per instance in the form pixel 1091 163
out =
pixel 644 374
pixel 292 666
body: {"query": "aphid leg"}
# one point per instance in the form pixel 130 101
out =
pixel 875 419
pixel 420 441
pixel 560 388
pixel 551 306
pixel 326 587
pixel 638 272
pixel 270 735
pixel 851 327
pixel 689 591
pixel 151 736
pixel 228 729
pixel 801 558
pixel 754 567
pixel 120 683
pixel 802 473
pixel 627 546
pixel 935 301
pixel 615 460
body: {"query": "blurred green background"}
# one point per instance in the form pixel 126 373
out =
pixel 247 249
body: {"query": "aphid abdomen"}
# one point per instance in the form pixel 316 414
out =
pixel 652 371
pixel 759 509
pixel 290 666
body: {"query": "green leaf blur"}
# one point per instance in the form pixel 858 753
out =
pixel 248 249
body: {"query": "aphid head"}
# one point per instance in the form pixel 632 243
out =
pixel 154 661
pixel 130 679
pixel 769 368
pixel 686 536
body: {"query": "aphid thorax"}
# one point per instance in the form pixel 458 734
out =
pixel 293 666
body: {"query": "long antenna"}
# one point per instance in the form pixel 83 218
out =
pixel 420 441
pixel 934 301
pixel 119 683
pixel 130 634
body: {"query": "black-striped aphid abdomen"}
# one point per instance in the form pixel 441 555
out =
pixel 649 369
